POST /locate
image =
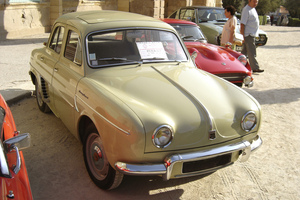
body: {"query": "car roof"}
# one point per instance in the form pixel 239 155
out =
pixel 88 21
pixel 178 21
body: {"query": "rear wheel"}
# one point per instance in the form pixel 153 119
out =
pixel 40 102
pixel 98 167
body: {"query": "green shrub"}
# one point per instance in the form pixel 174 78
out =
pixel 294 22
pixel 262 20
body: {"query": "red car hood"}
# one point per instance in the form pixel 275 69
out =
pixel 214 59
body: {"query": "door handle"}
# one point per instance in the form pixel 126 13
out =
pixel 55 69
pixel 41 58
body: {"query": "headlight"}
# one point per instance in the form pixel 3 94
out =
pixel 243 59
pixel 248 121
pixel 162 136
pixel 262 37
pixel 248 81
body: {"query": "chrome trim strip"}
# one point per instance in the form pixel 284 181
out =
pixel 75 103
pixel 165 169
pixel 126 132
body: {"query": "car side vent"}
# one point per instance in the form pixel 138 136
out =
pixel 44 87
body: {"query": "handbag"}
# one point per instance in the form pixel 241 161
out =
pixel 238 39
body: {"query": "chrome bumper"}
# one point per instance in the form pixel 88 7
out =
pixel 166 169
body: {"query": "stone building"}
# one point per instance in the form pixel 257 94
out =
pixel 28 17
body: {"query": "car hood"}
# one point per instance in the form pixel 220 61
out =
pixel 217 26
pixel 214 59
pixel 188 99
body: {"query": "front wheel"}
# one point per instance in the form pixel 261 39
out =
pixel 97 165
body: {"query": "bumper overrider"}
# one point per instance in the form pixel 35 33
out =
pixel 195 163
pixel 248 81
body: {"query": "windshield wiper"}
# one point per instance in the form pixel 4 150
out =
pixel 189 38
pixel 186 37
pixel 157 58
pixel 113 59
pixel 154 58
pixel 121 59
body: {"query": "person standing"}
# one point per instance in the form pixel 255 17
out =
pixel 249 29
pixel 229 28
pixel 272 20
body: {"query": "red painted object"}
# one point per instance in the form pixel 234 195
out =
pixel 14 181
pixel 221 61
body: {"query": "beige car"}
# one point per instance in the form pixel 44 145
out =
pixel 125 86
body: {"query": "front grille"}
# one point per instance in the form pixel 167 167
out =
pixel 232 76
pixel 206 164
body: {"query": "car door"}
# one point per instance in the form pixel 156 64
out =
pixel 67 73
pixel 14 182
pixel 47 59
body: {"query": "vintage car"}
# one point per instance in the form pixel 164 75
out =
pixel 211 21
pixel 14 180
pixel 125 85
pixel 221 61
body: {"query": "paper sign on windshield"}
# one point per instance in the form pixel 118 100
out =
pixel 150 50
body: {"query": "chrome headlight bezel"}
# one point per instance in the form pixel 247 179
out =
pixel 249 121
pixel 243 59
pixel 160 132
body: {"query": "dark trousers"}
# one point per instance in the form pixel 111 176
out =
pixel 249 50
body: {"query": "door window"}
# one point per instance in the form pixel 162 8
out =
pixel 188 14
pixel 56 40
pixel 73 48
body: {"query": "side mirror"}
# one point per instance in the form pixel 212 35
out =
pixel 21 141
pixel 16 143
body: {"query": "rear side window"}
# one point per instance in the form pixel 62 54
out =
pixel 56 40
pixel 73 48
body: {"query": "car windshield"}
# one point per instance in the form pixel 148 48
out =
pixel 189 32
pixel 133 46
pixel 211 15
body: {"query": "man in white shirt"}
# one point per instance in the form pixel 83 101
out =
pixel 249 28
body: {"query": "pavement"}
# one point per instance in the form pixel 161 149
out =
pixel 15 82
pixel 55 161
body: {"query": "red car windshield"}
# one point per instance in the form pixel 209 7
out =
pixel 133 46
pixel 189 32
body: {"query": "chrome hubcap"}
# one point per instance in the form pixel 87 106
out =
pixel 96 158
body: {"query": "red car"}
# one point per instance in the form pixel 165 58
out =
pixel 221 61
pixel 14 180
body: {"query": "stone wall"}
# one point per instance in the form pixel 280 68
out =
pixel 22 20
pixel 33 18
pixel 172 5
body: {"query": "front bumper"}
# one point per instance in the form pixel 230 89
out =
pixel 195 163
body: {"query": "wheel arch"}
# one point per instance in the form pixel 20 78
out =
pixel 33 77
pixel 83 123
